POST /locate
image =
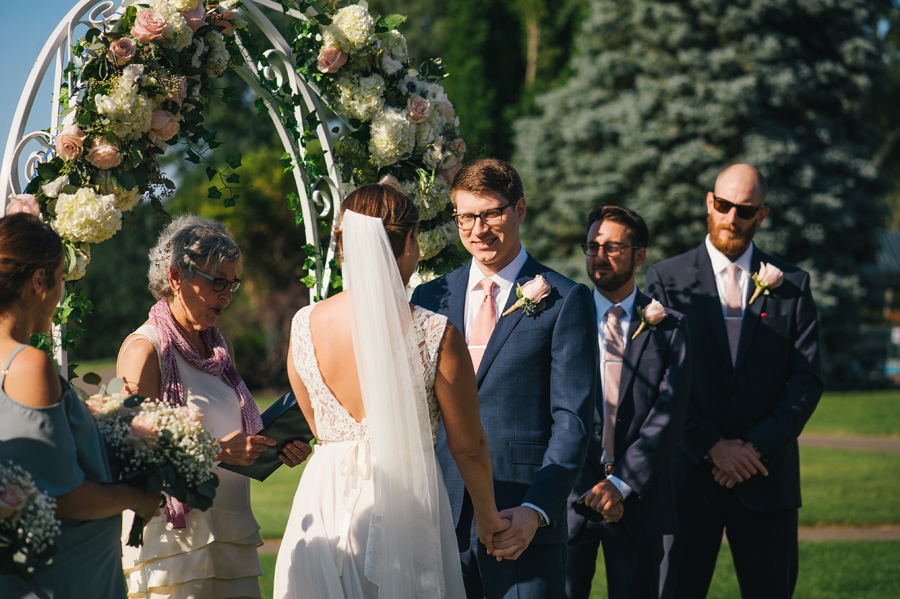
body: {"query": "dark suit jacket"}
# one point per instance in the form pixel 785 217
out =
pixel 653 398
pixel 766 397
pixel 535 394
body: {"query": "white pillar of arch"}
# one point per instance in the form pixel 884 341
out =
pixel 24 150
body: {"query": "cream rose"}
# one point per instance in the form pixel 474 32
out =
pixel 12 500
pixel 650 316
pixel 530 295
pixel 23 202
pixel 768 277
pixel 163 125
pixel 149 26
pixel 121 51
pixel 52 189
pixel 69 142
pixel 418 108
pixel 331 58
pixel 196 17
pixel 104 155
pixel 143 432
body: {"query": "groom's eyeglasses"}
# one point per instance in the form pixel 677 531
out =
pixel 744 211
pixel 219 284
pixel 489 218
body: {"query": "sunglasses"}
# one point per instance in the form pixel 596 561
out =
pixel 744 211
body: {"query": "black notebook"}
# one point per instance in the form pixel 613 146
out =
pixel 284 422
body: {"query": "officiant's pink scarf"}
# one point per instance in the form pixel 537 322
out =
pixel 171 339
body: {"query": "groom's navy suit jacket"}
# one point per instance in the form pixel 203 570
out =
pixel 653 398
pixel 535 393
pixel 765 397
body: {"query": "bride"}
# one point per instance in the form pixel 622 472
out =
pixel 374 376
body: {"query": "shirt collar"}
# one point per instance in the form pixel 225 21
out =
pixel 505 278
pixel 604 304
pixel 720 261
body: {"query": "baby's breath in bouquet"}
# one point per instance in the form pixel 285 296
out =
pixel 164 446
pixel 28 524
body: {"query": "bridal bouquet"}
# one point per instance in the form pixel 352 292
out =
pixel 164 446
pixel 28 525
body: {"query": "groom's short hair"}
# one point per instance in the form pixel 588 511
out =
pixel 488 175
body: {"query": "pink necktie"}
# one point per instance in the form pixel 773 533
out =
pixel 733 314
pixel 612 373
pixel 485 320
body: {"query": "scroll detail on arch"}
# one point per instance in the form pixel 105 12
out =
pixel 139 77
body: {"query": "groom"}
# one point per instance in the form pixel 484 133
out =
pixel 535 375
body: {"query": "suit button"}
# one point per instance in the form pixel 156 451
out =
pixel 598 430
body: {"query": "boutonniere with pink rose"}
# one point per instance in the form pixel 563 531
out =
pixel 531 296
pixel 769 277
pixel 650 316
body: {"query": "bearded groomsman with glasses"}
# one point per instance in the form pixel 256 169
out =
pixel 623 496
pixel 535 370
pixel 756 382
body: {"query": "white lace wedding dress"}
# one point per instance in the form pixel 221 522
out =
pixel 327 551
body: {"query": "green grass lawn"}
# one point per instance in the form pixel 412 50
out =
pixel 828 570
pixel 857 413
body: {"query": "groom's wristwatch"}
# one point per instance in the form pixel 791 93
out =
pixel 542 522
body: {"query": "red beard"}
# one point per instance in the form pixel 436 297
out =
pixel 735 244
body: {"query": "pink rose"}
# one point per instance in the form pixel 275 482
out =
pixel 104 155
pixel 390 180
pixel 121 51
pixel 651 316
pixel 450 173
pixel 331 58
pixel 23 202
pixel 179 95
pixel 163 125
pixel 418 108
pixel 143 432
pixel 12 500
pixel 768 277
pixel 190 414
pixel 530 295
pixel 196 17
pixel 448 109
pixel 458 147
pixel 224 21
pixel 149 26
pixel 95 404
pixel 69 142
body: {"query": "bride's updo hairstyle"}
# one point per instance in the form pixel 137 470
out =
pixel 398 213
pixel 26 245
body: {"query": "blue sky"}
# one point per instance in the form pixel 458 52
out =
pixel 29 24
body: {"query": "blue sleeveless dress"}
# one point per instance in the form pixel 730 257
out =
pixel 60 447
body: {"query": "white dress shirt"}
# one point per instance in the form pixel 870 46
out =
pixel 505 280
pixel 720 262
pixel 602 304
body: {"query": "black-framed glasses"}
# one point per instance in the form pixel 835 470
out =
pixel 489 218
pixel 220 284
pixel 610 248
pixel 744 211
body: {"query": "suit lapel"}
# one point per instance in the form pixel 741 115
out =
pixel 633 347
pixel 751 314
pixel 455 299
pixel 710 304
pixel 506 324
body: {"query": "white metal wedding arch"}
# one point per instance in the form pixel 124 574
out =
pixel 25 150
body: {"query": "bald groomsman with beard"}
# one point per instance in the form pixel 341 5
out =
pixel 756 381
pixel 623 496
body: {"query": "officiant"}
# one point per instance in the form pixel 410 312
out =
pixel 180 356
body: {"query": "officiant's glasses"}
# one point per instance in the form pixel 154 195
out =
pixel 489 218
pixel 220 284
pixel 610 248
pixel 744 211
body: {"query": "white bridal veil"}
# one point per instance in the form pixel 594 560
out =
pixel 404 555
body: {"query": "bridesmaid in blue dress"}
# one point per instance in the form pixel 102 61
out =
pixel 48 431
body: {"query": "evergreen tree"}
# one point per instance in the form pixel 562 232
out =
pixel 665 94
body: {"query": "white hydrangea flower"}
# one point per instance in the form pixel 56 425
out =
pixel 420 277
pixel 353 28
pixel 435 199
pixel 433 241
pixel 360 97
pixel 390 65
pixel 181 5
pixel 82 259
pixel 217 58
pixel 126 199
pixel 177 35
pixel 87 217
pixel 130 112
pixel 393 137
pixel 394 44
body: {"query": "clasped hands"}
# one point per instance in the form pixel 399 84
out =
pixel 508 537
pixel 605 497
pixel 734 461
pixel 241 449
